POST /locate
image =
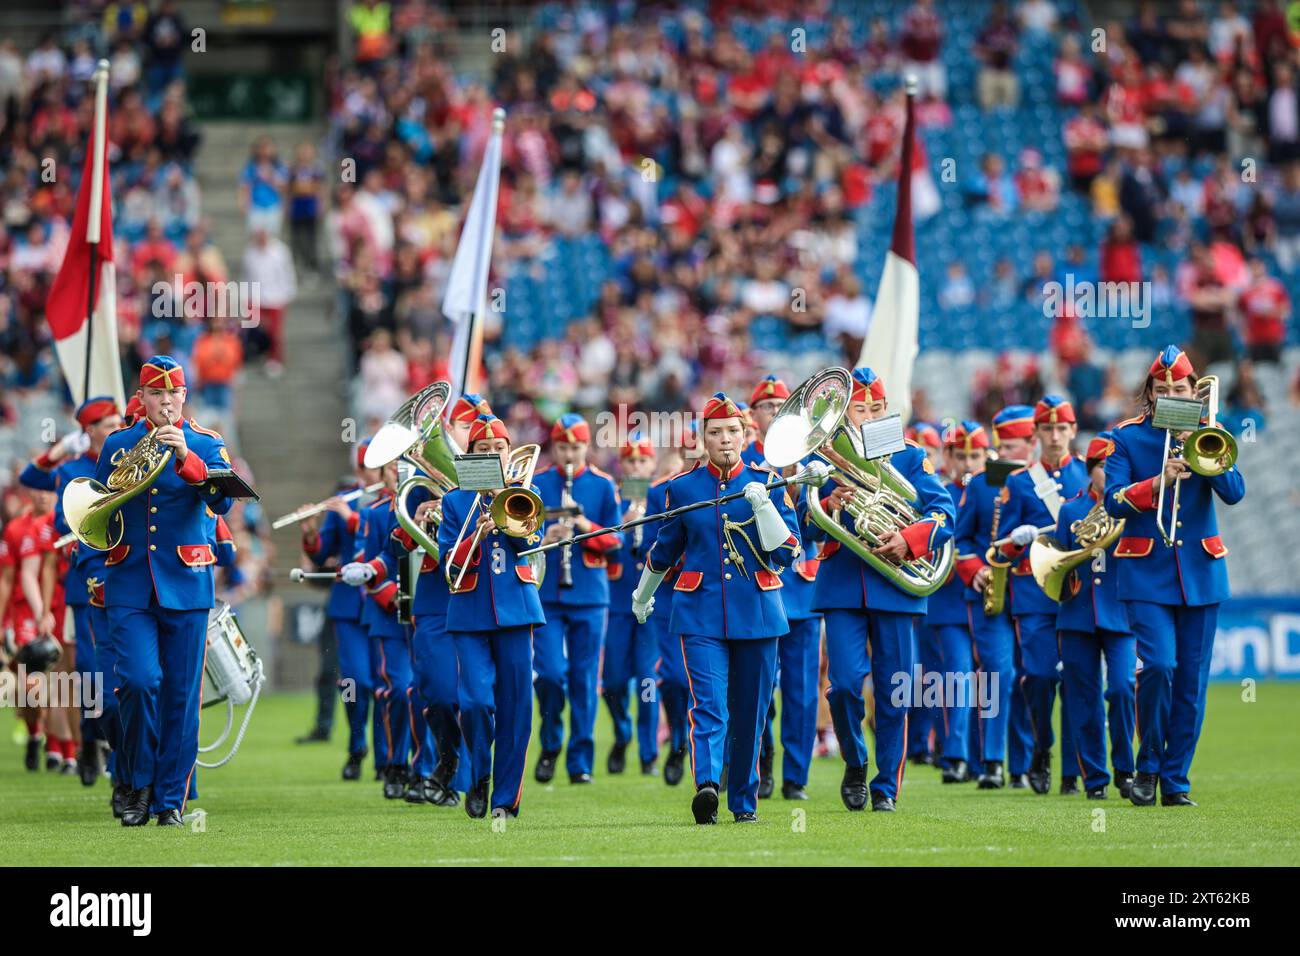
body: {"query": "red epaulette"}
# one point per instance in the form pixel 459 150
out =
pixel 204 431
pixel 603 474
pixel 1132 421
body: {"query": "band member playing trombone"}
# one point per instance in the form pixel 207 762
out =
pixel 869 618
pixel 575 600
pixel 491 614
pixel 1030 500
pixel 727 610
pixel 1174 586
pixel 158 590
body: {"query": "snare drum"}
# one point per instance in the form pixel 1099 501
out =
pixel 231 663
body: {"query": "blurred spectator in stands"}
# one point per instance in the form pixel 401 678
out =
pixel 569 207
pixel 165 35
pixel 1037 16
pixel 1142 191
pixel 176 201
pixel 176 138
pixel 1001 290
pixel 46 62
pixel 1038 188
pixel 1286 216
pixel 261 188
pixel 1073 79
pixel 958 292
pixel 1245 404
pixel 1283 116
pixel 1105 191
pixel 921 41
pixel 384 374
pixel 1120 256
pixel 1265 309
pixel 1227 29
pixel 995 48
pixel 305 184
pixel 1086 383
pixel 371 23
pixel 1035 285
pixel 991 191
pixel 848 315
pixel 217 358
pixel 124 67
pixel 268 265
pixel 11 78
pixel 879 54
pixel 154 247
pixel 1259 228
pixel 1202 288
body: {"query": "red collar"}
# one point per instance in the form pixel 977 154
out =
pixel 717 472
pixel 758 445
pixel 576 471
pixel 1063 462
pixel 1092 493
pixel 150 426
pixel 91 454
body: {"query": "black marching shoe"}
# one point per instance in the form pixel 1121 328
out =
pixel 956 772
pixel 476 799
pixel 1177 800
pixel 1069 786
pixel 1019 781
pixel 881 803
pixel 545 770
pixel 673 766
pixel 766 783
pixel 922 759
pixel 1143 791
pixel 1040 771
pixel 617 761
pixel 648 768
pixel 746 816
pixel 417 791
pixel 441 792
pixel 1097 793
pixel 583 777
pixel 1124 782
pixel 792 791
pixel 394 782
pixel 170 818
pixel 991 777
pixel 135 813
pixel 121 794
pixel 704 805
pixel 319 735
pixel 853 788
pixel 88 763
pixel 352 769
pixel 32 758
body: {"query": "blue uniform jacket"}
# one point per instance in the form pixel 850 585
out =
pixel 656 498
pixel 431 591
pixel 596 493
pixel 166 548
pixel 379 606
pixel 1191 571
pixel 948 604
pixel 1022 506
pixel 86 562
pixel 497 591
pixel 627 562
pixel 975 510
pixel 801 582
pixel 846 581
pixel 718 597
pixel 337 539
pixel 1090 599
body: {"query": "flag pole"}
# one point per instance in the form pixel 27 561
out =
pixel 482 262
pixel 96 209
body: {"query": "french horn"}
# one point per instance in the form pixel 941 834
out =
pixel 1051 564
pixel 93 511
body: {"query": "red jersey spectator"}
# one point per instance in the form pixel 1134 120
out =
pixel 1265 308
pixel 1120 258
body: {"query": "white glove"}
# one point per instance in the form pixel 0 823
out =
pixel 642 610
pixel 756 493
pixel 356 574
pixel 74 443
pixel 1024 535
pixel 643 598
pixel 815 473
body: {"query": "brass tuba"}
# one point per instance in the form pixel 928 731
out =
pixel 93 510
pixel 1051 564
pixel 812 421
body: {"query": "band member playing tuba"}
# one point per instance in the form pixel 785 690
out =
pixel 1174 589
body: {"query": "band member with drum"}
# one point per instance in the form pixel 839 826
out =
pixel 1174 588
pixel 979 512
pixel 575 600
pixel 158 590
pixel 631 648
pixel 1092 625
pixel 870 619
pixel 1030 500
pixel 491 616
pixel 333 540
pixel 727 609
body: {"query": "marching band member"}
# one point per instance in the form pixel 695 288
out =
pixel 575 600
pixel 925 724
pixel 1174 589
pixel 870 620
pixel 978 519
pixel 1031 499
pixel 158 591
pixel 490 617
pixel 798 651
pixel 1093 624
pixel 631 649
pixel 333 539
pixel 728 614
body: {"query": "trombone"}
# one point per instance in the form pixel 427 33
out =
pixel 516 510
pixel 1208 451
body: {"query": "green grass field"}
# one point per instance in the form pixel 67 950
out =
pixel 281 804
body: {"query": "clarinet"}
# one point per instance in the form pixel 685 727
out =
pixel 566 553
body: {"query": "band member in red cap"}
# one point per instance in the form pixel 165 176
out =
pixel 1174 586
pixel 727 610
pixel 1032 499
pixel 925 724
pixel 461 416
pixel 491 615
pixel 764 402
pixel 631 648
pixel 575 600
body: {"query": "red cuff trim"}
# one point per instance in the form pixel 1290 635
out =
pixel 967 568
pixel 386 597
pixel 223 531
pixel 44 463
pixel 1142 495
pixel 354 522
pixel 601 542
pixel 461 554
pixel 193 470
pixel 404 539
pixel 310 544
pixel 1011 551
pixel 381 570
pixel 917 537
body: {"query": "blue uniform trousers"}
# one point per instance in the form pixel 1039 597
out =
pixel 1174 644
pixel 160 674
pixel 437 697
pixel 859 643
pixel 798 656
pixel 91 728
pixel 1020 728
pixel 956 665
pixel 566 656
pixel 922 721
pixel 1082 655
pixel 730 685
pixel 994 648
pixel 356 679
pixel 496 706
pixel 1040 655
pixel 671 671
pixel 378 731
pixel 110 720
pixel 395 679
pixel 631 652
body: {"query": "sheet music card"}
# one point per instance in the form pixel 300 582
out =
pixel 481 472
pixel 1177 414
pixel 882 437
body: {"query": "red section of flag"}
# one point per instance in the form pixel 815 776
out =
pixel 66 304
pixel 903 244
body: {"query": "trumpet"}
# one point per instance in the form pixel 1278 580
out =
pixel 302 514
pixel 516 510
pixel 93 511
pixel 1208 451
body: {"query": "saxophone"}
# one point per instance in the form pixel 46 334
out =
pixel 995 592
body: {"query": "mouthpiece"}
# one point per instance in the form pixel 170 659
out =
pixel 295 574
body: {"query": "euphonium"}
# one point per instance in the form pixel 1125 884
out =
pixel 1095 531
pixel 812 421
pixel 93 510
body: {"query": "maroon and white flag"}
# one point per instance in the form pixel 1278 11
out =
pixel 892 342
pixel 66 307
